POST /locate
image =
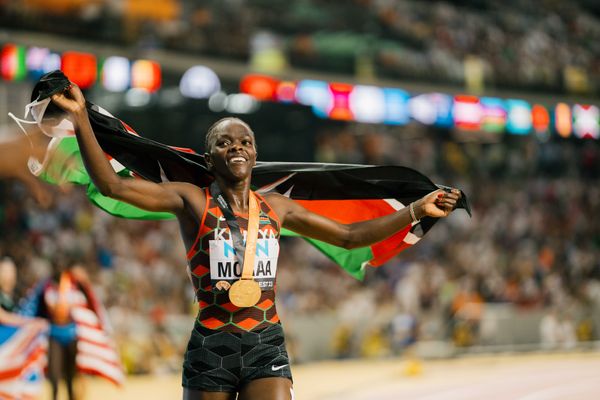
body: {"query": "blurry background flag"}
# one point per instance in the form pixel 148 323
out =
pixel 346 193
pixel 96 352
pixel 22 360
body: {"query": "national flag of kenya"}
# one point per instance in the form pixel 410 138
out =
pixel 346 193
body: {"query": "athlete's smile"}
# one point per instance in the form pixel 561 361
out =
pixel 237 159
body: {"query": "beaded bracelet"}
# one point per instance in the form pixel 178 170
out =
pixel 411 208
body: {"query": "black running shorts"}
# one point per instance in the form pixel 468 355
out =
pixel 218 361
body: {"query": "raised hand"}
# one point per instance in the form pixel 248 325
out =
pixel 438 204
pixel 71 100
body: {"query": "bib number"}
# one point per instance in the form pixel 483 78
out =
pixel 224 266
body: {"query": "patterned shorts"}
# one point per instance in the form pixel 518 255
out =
pixel 218 361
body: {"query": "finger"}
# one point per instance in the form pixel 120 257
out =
pixel 75 92
pixel 59 99
pixel 446 207
pixel 446 199
pixel 446 203
pixel 450 196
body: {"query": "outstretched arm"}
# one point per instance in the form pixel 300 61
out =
pixel 300 220
pixel 141 193
pixel 9 318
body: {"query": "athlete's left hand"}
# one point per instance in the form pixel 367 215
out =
pixel 437 204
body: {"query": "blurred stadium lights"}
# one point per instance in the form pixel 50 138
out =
pixel 394 106
pixel 261 87
pixel 217 102
pixel 422 109
pixel 367 104
pixel 116 74
pixel 396 109
pixel 199 82
pixel 286 91
pixel 315 94
pixel 12 63
pixel 137 97
pixel 563 120
pixel 240 103
pixel 81 68
pixel 468 112
pixel 171 97
pixel 540 118
pixel 341 101
pixel 339 105
pixel 585 119
pixel 146 74
pixel 494 115
pixel 35 61
pixel 236 103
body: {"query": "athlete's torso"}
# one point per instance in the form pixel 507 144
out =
pixel 213 267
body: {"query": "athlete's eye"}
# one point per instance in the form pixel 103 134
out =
pixel 247 142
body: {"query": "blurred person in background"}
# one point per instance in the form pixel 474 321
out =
pixel 8 300
pixel 59 294
pixel 22 342
pixel 246 354
pixel 79 333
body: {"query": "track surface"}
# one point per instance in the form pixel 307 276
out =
pixel 528 377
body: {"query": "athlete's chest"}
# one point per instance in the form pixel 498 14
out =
pixel 224 263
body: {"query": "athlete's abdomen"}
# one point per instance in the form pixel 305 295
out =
pixel 217 312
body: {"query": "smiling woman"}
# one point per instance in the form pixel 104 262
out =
pixel 233 137
pixel 237 348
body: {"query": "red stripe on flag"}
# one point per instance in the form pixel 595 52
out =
pixel 129 129
pixel 348 211
pixel 183 149
pixel 389 247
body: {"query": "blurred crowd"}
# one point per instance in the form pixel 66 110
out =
pixel 543 45
pixel 532 244
pixel 533 241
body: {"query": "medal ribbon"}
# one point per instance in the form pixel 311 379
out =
pixel 245 254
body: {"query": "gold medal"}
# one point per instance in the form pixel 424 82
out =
pixel 244 293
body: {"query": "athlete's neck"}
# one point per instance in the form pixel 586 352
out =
pixel 236 193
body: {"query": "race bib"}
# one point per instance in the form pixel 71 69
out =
pixel 225 268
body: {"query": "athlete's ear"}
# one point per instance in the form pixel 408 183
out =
pixel 208 162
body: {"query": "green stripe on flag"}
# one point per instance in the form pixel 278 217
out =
pixel 64 165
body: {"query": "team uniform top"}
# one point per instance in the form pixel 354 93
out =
pixel 213 267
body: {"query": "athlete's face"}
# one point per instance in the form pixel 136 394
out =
pixel 232 151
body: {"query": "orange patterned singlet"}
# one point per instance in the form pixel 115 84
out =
pixel 213 268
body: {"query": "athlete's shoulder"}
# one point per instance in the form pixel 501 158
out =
pixel 275 200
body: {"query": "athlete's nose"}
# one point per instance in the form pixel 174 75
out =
pixel 235 147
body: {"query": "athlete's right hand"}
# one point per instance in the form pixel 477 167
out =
pixel 70 100
pixel 437 204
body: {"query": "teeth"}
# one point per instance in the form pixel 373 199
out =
pixel 237 159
